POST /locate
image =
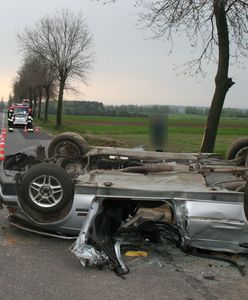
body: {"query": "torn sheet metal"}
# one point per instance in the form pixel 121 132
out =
pixel 217 224
pixel 92 248
pixel 86 253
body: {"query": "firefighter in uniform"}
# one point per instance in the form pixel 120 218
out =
pixel 30 121
pixel 11 118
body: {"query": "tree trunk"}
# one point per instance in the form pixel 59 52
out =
pixel 39 103
pixel 60 101
pixel 34 104
pixel 30 97
pixel 47 90
pixel 222 82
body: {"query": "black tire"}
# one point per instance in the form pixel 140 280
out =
pixel 68 145
pixel 246 200
pixel 236 147
pixel 46 188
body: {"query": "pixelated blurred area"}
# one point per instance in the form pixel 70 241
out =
pixel 158 132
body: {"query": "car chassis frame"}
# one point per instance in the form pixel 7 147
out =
pixel 207 197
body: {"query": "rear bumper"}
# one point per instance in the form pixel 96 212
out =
pixel 7 199
pixel 8 195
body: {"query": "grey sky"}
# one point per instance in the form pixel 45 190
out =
pixel 129 68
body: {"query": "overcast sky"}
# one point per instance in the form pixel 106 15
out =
pixel 129 68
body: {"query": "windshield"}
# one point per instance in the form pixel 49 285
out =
pixel 20 110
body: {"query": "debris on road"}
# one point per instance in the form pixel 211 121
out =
pixel 131 253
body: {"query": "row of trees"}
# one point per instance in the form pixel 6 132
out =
pixel 217 31
pixel 95 108
pixel 55 50
pixel 36 80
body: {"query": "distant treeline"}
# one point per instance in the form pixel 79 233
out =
pixel 95 108
pixel 226 112
pixel 98 109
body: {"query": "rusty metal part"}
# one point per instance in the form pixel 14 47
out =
pixel 235 170
pixel 12 210
pixel 149 168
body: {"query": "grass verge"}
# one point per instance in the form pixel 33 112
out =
pixel 184 131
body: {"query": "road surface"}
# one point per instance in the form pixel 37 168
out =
pixel 36 267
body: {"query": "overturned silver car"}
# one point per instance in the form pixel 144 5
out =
pixel 93 192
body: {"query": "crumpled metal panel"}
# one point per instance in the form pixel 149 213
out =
pixel 214 225
pixel 87 254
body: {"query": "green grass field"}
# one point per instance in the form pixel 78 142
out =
pixel 185 131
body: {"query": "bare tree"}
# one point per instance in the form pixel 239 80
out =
pixel 217 31
pixel 34 65
pixel 64 41
pixel 46 82
pixel 36 79
pixel 49 85
pixel 20 90
pixel 28 83
pixel 25 84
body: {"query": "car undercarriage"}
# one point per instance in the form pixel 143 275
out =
pixel 93 192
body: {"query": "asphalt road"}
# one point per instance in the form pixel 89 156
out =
pixel 36 267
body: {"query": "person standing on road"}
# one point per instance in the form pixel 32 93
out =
pixel 11 117
pixel 30 121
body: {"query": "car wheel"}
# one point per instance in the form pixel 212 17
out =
pixel 68 145
pixel 239 149
pixel 46 188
